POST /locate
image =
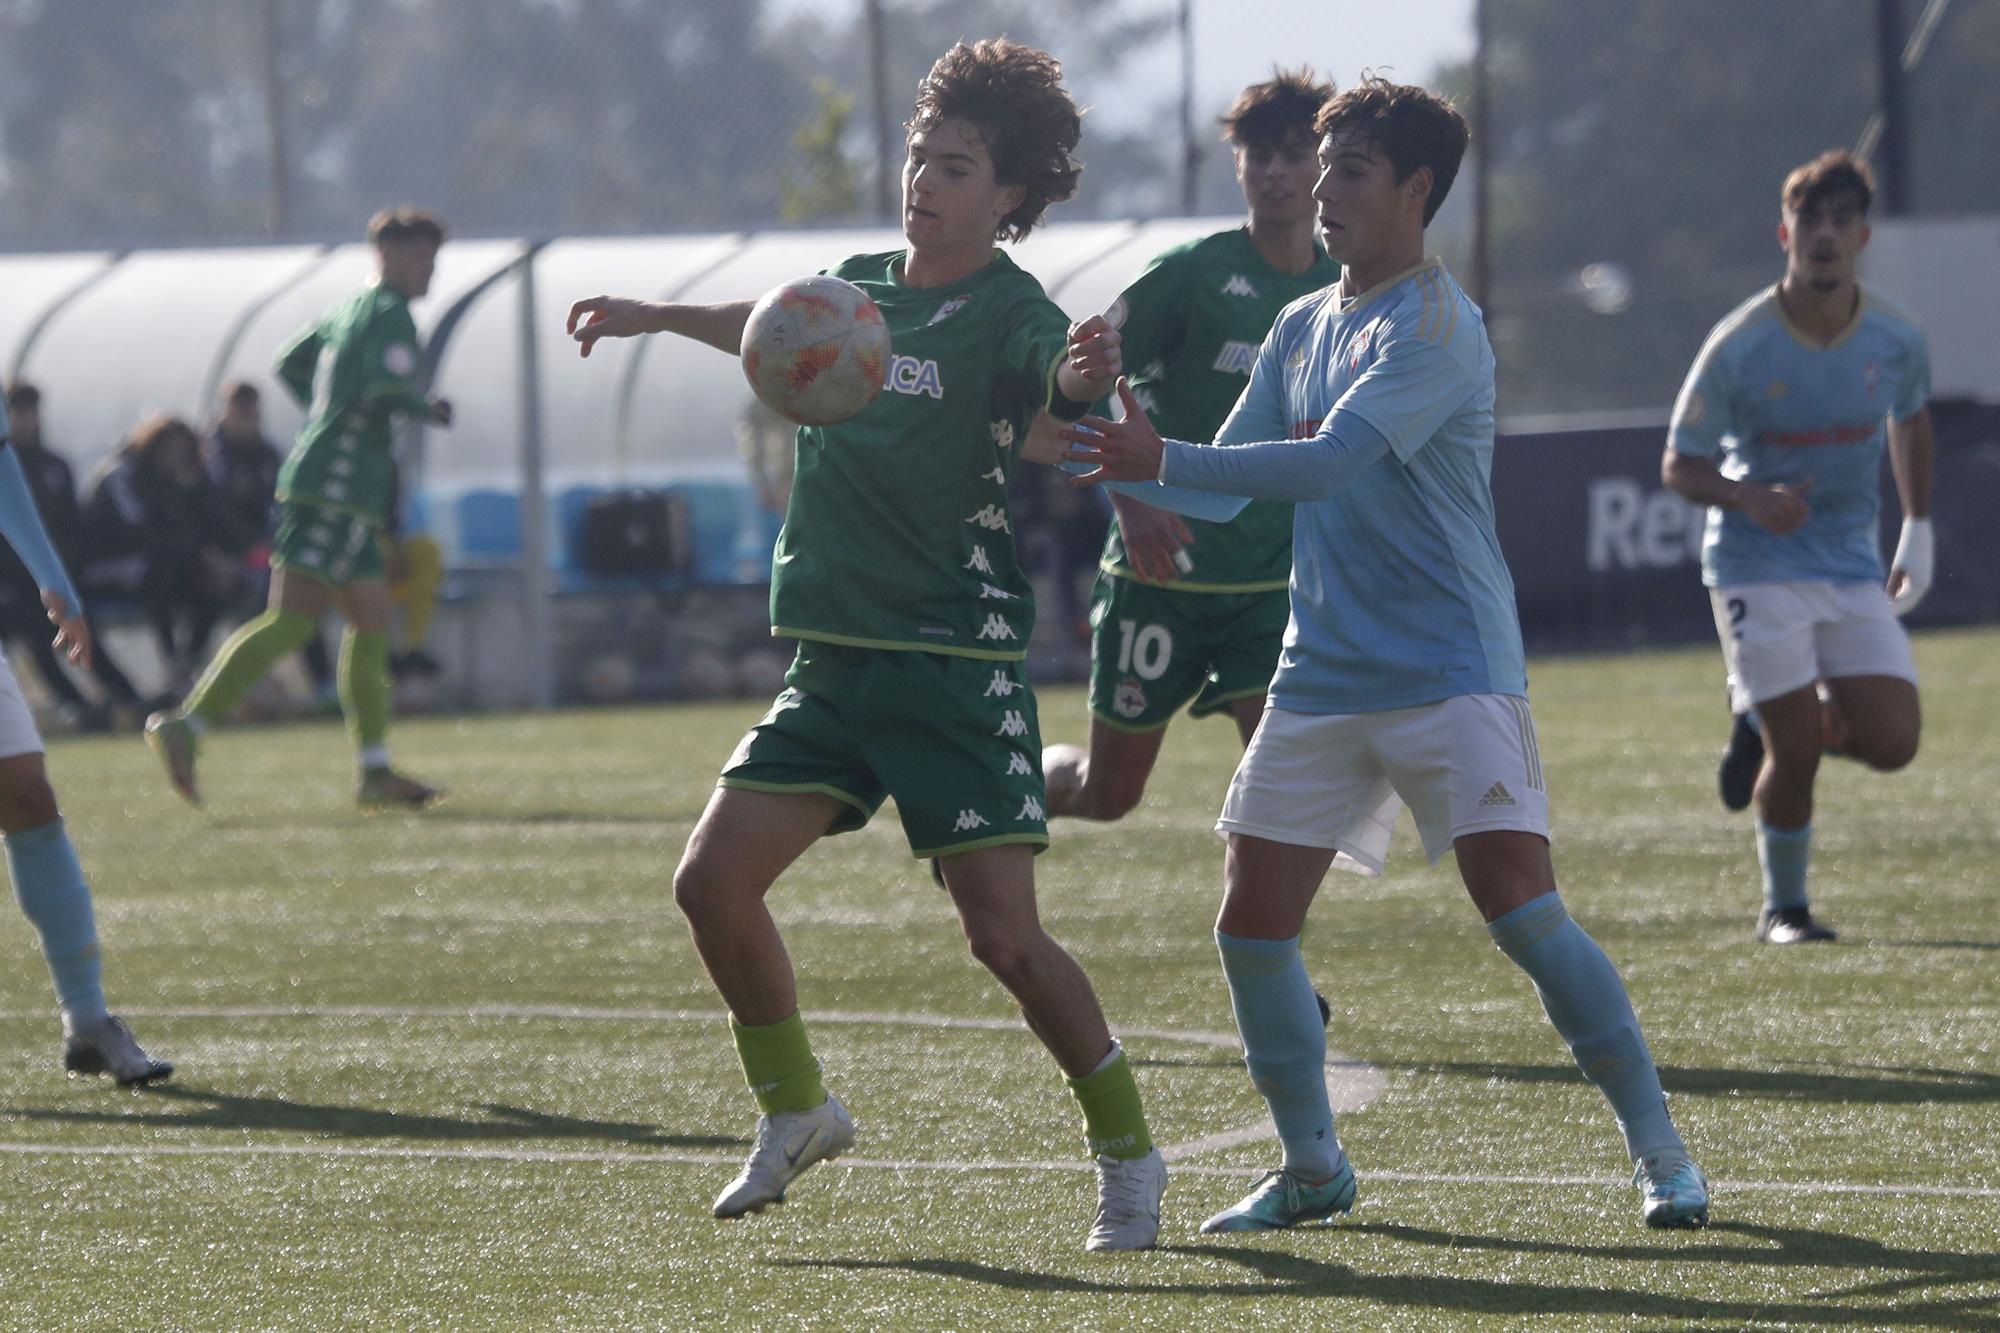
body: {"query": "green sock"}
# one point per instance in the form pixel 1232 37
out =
pixel 243 661
pixel 779 1063
pixel 364 687
pixel 1114 1124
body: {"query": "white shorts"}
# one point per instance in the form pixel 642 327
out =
pixel 1465 765
pixel 17 724
pixel 1781 637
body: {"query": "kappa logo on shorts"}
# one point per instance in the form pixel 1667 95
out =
pixel 991 517
pixel 996 627
pixel 987 592
pixel 1002 684
pixel 968 820
pixel 1497 794
pixel 1012 724
pixel 1129 699
pixel 1018 765
pixel 1031 809
pixel 979 564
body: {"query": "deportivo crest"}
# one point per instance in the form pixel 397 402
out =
pixel 949 308
pixel 1129 699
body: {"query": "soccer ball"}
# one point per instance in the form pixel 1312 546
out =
pixel 816 350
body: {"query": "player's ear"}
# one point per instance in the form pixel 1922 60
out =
pixel 1418 186
pixel 1010 198
pixel 1866 232
pixel 1784 236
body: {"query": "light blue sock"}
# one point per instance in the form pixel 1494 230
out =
pixel 1284 1045
pixel 49 883
pixel 1585 999
pixel 1784 852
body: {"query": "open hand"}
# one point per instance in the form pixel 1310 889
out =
pixel 1127 450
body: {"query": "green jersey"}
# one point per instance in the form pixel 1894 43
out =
pixel 352 371
pixel 1192 324
pixel 898 534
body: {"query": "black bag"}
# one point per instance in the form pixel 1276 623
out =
pixel 636 532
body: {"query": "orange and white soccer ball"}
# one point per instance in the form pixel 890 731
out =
pixel 816 350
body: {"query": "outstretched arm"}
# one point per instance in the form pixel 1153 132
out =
pixel 719 325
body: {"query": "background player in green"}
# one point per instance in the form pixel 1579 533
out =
pixel 1186 610
pixel 354 371
pixel 896 572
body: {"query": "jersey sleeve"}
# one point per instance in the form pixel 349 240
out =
pixel 1035 340
pixel 1261 411
pixel 1704 412
pixel 391 363
pixel 1916 389
pixel 1413 387
pixel 296 363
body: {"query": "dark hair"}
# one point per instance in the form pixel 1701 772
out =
pixel 1834 172
pixel 1265 113
pixel 1412 127
pixel 393 225
pixel 1013 95
pixel 150 437
pixel 23 395
pixel 240 391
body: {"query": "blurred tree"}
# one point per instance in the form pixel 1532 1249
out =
pixel 830 187
pixel 1654 135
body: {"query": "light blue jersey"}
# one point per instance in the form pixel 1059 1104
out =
pixel 1400 596
pixel 1773 407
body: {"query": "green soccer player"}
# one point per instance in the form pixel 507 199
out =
pixel 354 372
pixel 1187 611
pixel 896 572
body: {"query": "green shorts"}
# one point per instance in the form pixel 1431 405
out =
pixel 330 545
pixel 1153 650
pixel 955 740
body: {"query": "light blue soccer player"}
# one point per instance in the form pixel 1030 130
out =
pixel 1779 430
pixel 48 881
pixel 1371 406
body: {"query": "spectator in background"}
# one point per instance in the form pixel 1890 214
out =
pixel 22 619
pixel 157 532
pixel 243 465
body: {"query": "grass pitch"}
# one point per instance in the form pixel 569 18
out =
pixel 463 1070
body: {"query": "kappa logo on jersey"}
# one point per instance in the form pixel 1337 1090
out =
pixel 968 819
pixel 1031 809
pixel 996 476
pixel 991 517
pixel 949 308
pixel 1017 765
pixel 1012 724
pixel 1144 398
pixel 1003 433
pixel 1129 699
pixel 1238 285
pixel 907 375
pixel 979 564
pixel 400 360
pixel 987 593
pixel 996 627
pixel 336 491
pixel 1236 358
pixel 1002 684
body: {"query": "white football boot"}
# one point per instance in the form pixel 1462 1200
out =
pixel 787 1143
pixel 1128 1202
pixel 109 1048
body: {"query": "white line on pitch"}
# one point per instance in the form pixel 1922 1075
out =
pixel 672 1158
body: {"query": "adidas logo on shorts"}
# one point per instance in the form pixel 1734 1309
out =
pixel 1497 794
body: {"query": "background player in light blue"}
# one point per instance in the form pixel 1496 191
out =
pixel 1780 430
pixel 48 881
pixel 1371 405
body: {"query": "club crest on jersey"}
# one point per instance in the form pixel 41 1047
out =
pixel 1236 358
pixel 949 308
pixel 1357 351
pixel 907 375
pixel 1869 376
pixel 1129 699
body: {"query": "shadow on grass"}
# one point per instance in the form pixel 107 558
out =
pixel 449 814
pixel 203 1109
pixel 1844 1083
pixel 1275 1273
pixel 1937 944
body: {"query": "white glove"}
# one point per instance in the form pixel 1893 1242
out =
pixel 1915 556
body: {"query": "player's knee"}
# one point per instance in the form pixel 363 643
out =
pixel 1007 954
pixel 698 891
pixel 1796 759
pixel 1115 795
pixel 28 805
pixel 1889 752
